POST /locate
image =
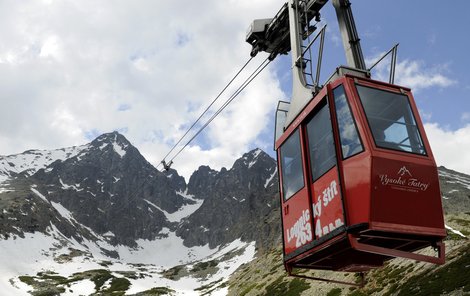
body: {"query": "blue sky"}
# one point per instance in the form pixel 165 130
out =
pixel 72 70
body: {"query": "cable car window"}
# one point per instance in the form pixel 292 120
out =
pixel 391 120
pixel 291 166
pixel 320 142
pixel 348 135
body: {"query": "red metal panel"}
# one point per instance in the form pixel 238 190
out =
pixel 356 180
pixel 297 221
pixel 405 192
pixel 327 203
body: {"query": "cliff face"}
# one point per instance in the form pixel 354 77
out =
pixel 238 203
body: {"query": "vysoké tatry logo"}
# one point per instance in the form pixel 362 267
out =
pixel 404 181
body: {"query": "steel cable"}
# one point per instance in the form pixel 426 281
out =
pixel 247 81
pixel 207 109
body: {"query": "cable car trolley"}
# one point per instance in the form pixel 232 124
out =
pixel 357 178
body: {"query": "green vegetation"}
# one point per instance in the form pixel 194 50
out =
pixel 132 274
pixel 334 292
pixel 105 263
pixel 29 280
pixel 157 291
pixel 211 287
pixel 49 283
pixel 43 286
pixel 203 266
pixel 50 291
pixel 248 289
pixel 174 273
pixel 466 227
pixel 118 286
pixel 443 280
pixel 199 270
pixel 358 293
pixel 293 288
pixel 63 258
pixel 98 276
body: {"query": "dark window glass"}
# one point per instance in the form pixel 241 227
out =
pixel 321 144
pixel 349 137
pixel 391 120
pixel 291 166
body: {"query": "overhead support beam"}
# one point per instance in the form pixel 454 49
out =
pixel 351 41
pixel 290 30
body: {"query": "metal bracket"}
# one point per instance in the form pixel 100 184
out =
pixel 354 240
pixel 393 62
pixel 166 166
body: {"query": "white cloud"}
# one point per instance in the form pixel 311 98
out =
pixel 411 73
pixel 51 48
pixel 415 75
pixel 450 148
pixel 465 116
pixel 70 68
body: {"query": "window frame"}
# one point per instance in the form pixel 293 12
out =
pixel 322 104
pixel 353 119
pixel 284 193
pixel 413 116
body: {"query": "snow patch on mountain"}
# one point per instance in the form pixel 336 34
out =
pixel 181 213
pixel 5 186
pixel 171 245
pixel 455 231
pixel 33 253
pixel 39 194
pixel 119 150
pixel 51 252
pixel 66 186
pixel 457 178
pixel 63 212
pixel 270 178
pixel 31 161
pixel 254 157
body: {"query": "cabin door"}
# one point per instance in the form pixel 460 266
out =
pixel 296 211
pixel 327 203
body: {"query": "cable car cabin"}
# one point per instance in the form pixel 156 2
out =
pixel 358 181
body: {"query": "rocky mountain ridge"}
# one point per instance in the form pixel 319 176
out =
pixel 240 201
pixel 106 205
pixel 109 187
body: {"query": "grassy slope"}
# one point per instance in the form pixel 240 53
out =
pixel 266 274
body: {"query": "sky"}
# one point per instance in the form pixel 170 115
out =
pixel 72 70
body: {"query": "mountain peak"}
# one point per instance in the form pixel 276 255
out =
pixel 118 142
pixel 249 159
pixel 114 136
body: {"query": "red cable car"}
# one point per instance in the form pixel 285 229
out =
pixel 358 181
pixel 359 184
